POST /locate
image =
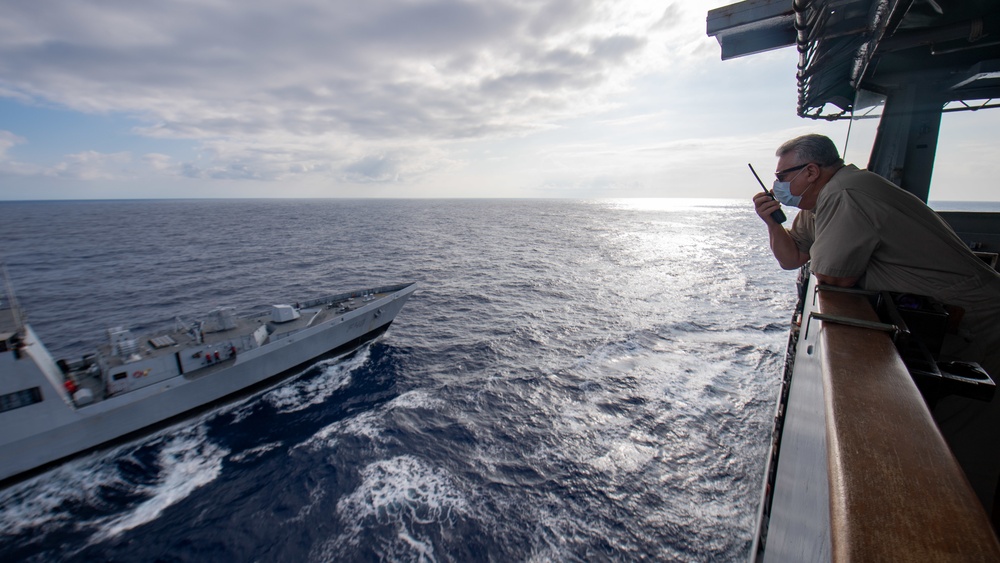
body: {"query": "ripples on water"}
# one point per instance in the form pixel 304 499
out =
pixel 573 381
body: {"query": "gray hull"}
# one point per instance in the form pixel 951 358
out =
pixel 39 434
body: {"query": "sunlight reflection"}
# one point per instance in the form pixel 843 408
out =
pixel 666 203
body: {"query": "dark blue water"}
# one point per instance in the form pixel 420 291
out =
pixel 572 381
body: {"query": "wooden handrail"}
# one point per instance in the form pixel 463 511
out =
pixel 896 491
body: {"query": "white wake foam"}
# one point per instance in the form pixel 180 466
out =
pixel 402 492
pixel 417 399
pixel 370 424
pixel 254 453
pixel 41 501
pixel 299 395
pixel 188 461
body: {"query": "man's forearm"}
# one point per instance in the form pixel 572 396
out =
pixel 784 248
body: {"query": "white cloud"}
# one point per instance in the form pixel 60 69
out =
pixel 400 97
pixel 92 165
pixel 9 165
pixel 159 162
pixel 86 165
pixel 8 140
pixel 271 89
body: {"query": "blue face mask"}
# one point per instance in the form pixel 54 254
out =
pixel 783 192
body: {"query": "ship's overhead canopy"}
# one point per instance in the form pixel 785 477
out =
pixel 882 46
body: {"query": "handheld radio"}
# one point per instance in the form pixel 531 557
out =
pixel 778 215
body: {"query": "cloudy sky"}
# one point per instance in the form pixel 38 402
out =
pixel 403 98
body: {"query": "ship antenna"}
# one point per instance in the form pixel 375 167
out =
pixel 15 309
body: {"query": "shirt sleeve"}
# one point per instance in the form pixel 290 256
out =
pixel 845 238
pixel 803 230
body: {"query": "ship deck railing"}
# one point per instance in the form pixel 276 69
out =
pixel 863 473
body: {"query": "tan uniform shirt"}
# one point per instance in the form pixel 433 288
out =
pixel 864 226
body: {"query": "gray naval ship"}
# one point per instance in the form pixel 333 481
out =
pixel 51 410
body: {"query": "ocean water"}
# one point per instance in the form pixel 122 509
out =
pixel 572 381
